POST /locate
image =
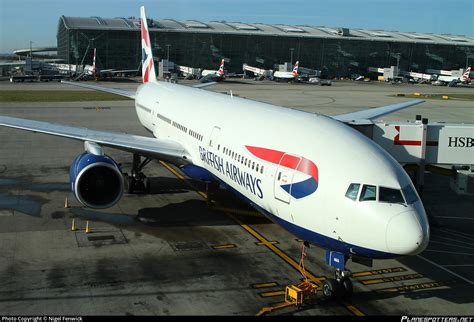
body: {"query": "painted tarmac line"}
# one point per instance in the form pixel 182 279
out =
pixel 273 248
pixel 445 269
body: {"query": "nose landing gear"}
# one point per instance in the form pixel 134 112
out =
pixel 340 286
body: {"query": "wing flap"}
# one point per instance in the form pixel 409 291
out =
pixel 152 147
pixel 364 116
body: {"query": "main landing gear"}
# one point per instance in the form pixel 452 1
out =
pixel 341 285
pixel 137 182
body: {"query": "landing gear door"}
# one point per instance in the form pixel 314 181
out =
pixel 214 135
pixel 284 177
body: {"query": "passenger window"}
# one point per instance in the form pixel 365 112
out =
pixel 390 195
pixel 368 193
pixel 410 194
pixel 256 168
pixel 352 191
pixel 261 169
pixel 253 165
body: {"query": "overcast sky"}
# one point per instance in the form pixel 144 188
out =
pixel 37 20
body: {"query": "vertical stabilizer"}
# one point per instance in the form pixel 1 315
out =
pixel 221 68
pixel 148 69
pixel 465 76
pixel 295 69
pixel 93 63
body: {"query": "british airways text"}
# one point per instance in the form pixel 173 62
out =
pixel 230 170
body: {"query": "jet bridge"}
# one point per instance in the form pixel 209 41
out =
pixel 446 148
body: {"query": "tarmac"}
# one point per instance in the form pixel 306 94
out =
pixel 168 253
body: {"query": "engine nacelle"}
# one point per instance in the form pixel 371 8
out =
pixel 96 180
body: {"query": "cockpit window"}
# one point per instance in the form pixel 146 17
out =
pixel 390 195
pixel 410 194
pixel 352 191
pixel 368 193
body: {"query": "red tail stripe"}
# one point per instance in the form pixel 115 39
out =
pixel 145 34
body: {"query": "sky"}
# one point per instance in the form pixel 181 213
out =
pixel 22 21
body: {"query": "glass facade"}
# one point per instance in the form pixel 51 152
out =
pixel 121 49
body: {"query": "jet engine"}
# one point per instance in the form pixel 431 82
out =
pixel 96 179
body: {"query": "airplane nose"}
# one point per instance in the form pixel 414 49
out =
pixel 405 235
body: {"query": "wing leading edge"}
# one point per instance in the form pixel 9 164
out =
pixel 152 147
pixel 365 116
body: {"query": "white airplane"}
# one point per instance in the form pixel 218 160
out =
pixel 93 71
pixel 277 75
pixel 220 73
pixel 444 80
pixel 312 174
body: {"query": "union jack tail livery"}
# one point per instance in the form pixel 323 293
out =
pixel 221 68
pixel 465 76
pixel 148 69
pixel 295 69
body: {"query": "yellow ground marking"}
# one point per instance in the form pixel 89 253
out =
pixel 274 242
pixel 353 309
pixel 273 293
pixel 263 285
pixel 391 279
pixel 224 246
pixel 380 271
pixel 316 280
pixel 412 287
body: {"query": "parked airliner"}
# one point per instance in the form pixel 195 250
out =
pixel 95 72
pixel 220 73
pixel 314 175
pixel 287 75
pixel 442 79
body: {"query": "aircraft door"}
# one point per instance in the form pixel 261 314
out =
pixel 214 135
pixel 284 177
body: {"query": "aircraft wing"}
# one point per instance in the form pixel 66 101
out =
pixel 203 85
pixel 151 147
pixel 365 116
pixel 115 91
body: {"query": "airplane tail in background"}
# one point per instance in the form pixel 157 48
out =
pixel 465 76
pixel 148 69
pixel 221 68
pixel 93 63
pixel 295 69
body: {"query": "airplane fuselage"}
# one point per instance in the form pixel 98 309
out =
pixel 293 166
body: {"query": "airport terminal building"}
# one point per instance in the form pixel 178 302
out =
pixel 334 51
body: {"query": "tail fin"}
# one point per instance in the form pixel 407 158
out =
pixel 93 63
pixel 295 69
pixel 221 68
pixel 148 69
pixel 465 76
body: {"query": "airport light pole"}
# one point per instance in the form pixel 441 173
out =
pixel 168 50
pixel 31 50
pixel 291 56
